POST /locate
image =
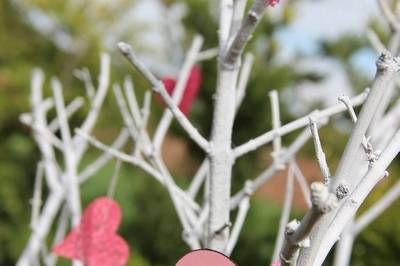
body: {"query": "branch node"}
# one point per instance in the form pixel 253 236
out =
pixel 219 231
pixel 248 188
pixel 322 198
pixel 291 227
pixel 306 243
pixel 342 190
pixel 386 62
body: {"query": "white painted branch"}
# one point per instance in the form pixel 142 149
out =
pixel 243 35
pixel 323 165
pixel 275 167
pixel 207 54
pixel 37 195
pixel 145 111
pixel 145 114
pixel 390 17
pixel 296 235
pixel 225 20
pixel 91 169
pixel 244 206
pixel 387 66
pixel 128 121
pixel 42 229
pixel 158 87
pixel 244 76
pixel 287 206
pixel 344 247
pixel 70 110
pixel 61 230
pixel 372 156
pixel 44 133
pixel 132 100
pixel 303 183
pixel 394 43
pixel 386 99
pixel 347 170
pixel 183 214
pixel 237 17
pixel 374 40
pixel 114 178
pixel 198 179
pixel 179 90
pixel 199 226
pixel 39 118
pixel 354 200
pixel 71 163
pixel 220 153
pixel 136 162
pixel 84 75
pixel 294 125
pixel 276 123
pixel 377 209
pixel 91 118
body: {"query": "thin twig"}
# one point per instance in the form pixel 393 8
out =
pixel 270 171
pixel 243 79
pixel 242 36
pixel 91 118
pixel 114 178
pixel 285 215
pixel 37 195
pixel 207 54
pixel 84 75
pixel 377 209
pixel 158 87
pixel 323 165
pixel 136 162
pixel 294 125
pixel 303 183
pixel 91 169
pixel 276 123
pixel 390 17
pixel 179 90
pixel 69 154
pixel 375 41
pixel 244 206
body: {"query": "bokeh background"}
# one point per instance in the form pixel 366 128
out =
pixel 310 51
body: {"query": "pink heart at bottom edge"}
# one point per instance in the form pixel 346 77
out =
pixel 204 257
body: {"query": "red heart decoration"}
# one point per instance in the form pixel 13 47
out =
pixel 94 241
pixel 204 257
pixel 272 2
pixel 191 90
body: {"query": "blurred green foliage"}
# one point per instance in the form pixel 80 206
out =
pixel 149 222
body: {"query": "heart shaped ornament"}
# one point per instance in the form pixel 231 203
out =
pixel 191 89
pixel 204 257
pixel 95 241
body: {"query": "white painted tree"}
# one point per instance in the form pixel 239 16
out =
pixel 333 202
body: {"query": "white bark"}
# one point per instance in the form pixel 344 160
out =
pixel 387 69
pixel 287 206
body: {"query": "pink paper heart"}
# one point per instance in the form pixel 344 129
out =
pixel 204 257
pixel 272 2
pixel 191 90
pixel 94 241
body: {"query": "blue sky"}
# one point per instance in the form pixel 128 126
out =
pixel 328 20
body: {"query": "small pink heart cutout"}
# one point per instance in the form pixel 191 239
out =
pixel 94 241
